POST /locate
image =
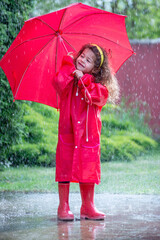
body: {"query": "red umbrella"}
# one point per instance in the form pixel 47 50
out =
pixel 36 54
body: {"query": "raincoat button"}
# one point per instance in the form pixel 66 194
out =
pixel 82 98
pixel 79 122
pixel 76 147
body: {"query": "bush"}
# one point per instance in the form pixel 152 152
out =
pixel 135 115
pixel 125 132
pixel 26 154
pixel 32 154
pixel 119 148
pixel 110 124
pixel 125 147
pixel 39 139
pixel 120 140
pixel 142 140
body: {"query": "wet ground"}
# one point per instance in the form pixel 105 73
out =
pixel 33 217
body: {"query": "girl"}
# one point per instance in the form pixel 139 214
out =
pixel 84 85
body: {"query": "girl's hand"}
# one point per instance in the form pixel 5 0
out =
pixel 70 54
pixel 78 74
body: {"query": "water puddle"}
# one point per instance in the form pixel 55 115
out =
pixel 33 216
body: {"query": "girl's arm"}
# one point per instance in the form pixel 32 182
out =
pixel 65 76
pixel 94 93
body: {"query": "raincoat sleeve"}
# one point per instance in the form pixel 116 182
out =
pixel 94 93
pixel 65 75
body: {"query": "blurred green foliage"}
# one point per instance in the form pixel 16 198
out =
pixel 125 132
pixel 12 16
pixel 121 139
pixel 143 17
pixel 38 146
pixel 142 20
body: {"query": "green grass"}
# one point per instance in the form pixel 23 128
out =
pixel 137 177
pixel 37 179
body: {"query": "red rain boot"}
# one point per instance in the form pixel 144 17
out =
pixel 88 210
pixel 64 212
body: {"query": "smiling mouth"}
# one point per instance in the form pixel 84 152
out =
pixel 81 64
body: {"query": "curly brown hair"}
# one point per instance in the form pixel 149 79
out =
pixel 102 72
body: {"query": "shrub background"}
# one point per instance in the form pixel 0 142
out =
pixel 121 139
pixel 39 141
pixel 12 16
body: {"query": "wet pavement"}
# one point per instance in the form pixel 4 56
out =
pixel 33 217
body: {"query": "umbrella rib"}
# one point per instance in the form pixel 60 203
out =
pixel 31 39
pixel 49 25
pixel 30 64
pixel 62 18
pixel 95 35
pixel 45 24
pixel 56 55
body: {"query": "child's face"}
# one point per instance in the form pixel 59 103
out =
pixel 85 62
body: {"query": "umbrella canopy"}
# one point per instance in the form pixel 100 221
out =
pixel 35 55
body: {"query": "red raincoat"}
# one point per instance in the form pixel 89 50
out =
pixel 78 149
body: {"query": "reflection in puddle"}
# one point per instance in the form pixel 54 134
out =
pixel 85 230
pixel 65 230
pixel 91 229
pixel 55 230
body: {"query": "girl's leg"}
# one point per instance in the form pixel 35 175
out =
pixel 64 212
pixel 88 210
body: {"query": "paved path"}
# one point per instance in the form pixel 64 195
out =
pixel 33 217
